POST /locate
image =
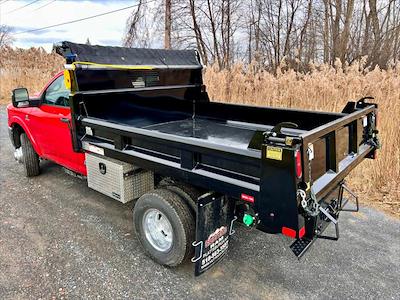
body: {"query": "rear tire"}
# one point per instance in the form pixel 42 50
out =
pixel 30 157
pixel 174 244
pixel 187 192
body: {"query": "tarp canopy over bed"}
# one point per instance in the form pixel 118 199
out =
pixel 109 68
pixel 123 56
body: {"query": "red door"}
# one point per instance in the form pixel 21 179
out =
pixel 51 124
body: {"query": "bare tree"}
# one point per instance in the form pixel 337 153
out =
pixel 201 45
pixel 270 31
pixel 132 25
pixel 6 38
pixel 167 27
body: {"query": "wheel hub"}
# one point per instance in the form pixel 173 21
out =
pixel 157 229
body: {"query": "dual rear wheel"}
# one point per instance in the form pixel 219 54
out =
pixel 165 226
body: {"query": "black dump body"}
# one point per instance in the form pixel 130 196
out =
pixel 159 117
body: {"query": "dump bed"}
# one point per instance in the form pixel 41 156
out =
pixel 160 118
pixel 221 140
pixel 223 128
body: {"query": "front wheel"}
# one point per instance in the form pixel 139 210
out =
pixel 29 157
pixel 165 226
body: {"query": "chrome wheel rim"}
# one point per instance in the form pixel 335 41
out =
pixel 157 229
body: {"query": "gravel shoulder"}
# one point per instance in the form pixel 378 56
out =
pixel 58 238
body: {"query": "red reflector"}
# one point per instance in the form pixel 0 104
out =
pixel 289 232
pixel 299 170
pixel 302 232
pixel 247 198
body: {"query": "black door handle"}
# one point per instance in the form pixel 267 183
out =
pixel 64 120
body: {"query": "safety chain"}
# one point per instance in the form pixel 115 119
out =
pixel 310 207
pixel 372 132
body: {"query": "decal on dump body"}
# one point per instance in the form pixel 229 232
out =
pixel 213 229
pixel 274 153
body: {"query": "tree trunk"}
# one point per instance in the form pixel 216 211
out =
pixel 344 36
pixel 304 30
pixel 326 32
pixel 199 38
pixel 167 28
pixel 214 35
pixel 336 30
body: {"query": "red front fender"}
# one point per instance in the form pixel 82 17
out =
pixel 17 120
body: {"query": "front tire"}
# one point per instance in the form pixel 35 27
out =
pixel 30 157
pixel 165 227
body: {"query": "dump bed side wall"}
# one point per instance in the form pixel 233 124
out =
pixel 347 140
pixel 306 120
pixel 336 144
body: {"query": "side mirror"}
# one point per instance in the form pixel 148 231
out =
pixel 20 97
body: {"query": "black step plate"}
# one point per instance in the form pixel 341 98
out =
pixel 300 246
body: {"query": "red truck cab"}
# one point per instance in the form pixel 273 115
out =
pixel 46 123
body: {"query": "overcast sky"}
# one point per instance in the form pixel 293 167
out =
pixel 104 30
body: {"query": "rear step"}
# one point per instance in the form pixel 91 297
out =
pixel 300 246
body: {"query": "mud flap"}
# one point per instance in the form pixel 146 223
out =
pixel 214 226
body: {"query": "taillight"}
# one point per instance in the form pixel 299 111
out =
pixel 299 170
pixel 247 198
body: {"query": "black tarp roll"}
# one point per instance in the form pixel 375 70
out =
pixel 121 56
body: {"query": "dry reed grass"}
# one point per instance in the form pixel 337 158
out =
pixel 26 68
pixel 324 88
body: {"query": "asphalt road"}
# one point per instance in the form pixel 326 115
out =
pixel 58 238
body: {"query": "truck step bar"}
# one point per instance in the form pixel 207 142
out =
pixel 327 215
pixel 300 246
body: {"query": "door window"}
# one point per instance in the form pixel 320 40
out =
pixel 57 93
